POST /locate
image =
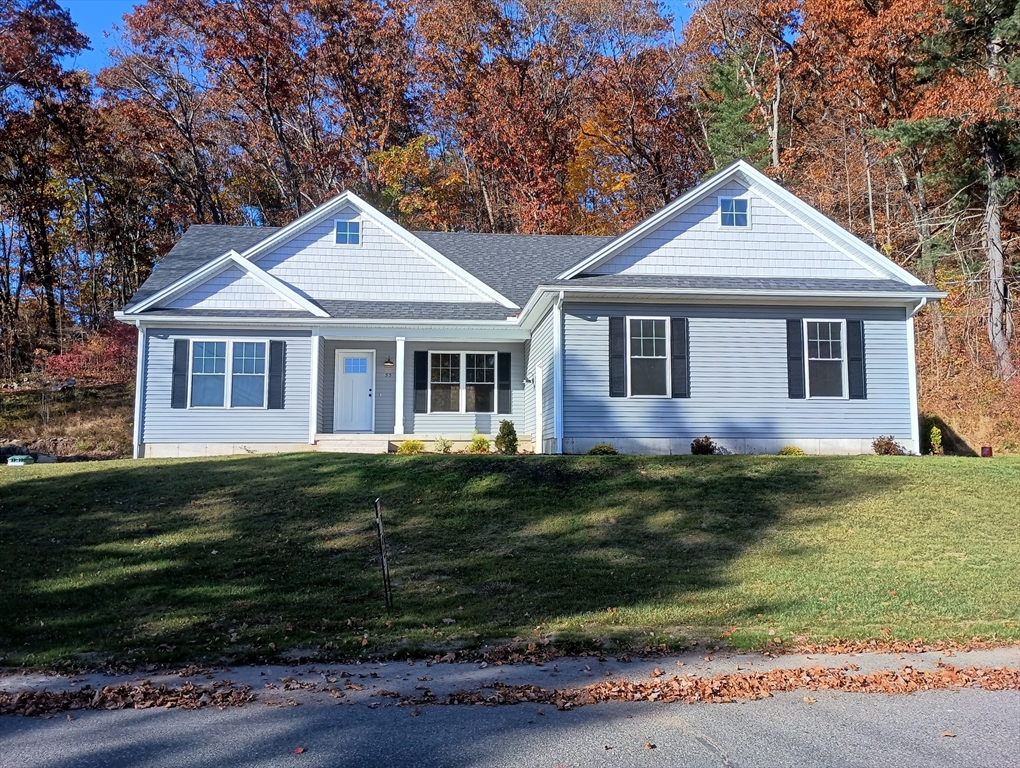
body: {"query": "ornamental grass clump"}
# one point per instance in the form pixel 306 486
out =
pixel 411 448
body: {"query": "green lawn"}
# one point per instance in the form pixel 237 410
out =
pixel 244 558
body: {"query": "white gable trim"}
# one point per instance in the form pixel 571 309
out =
pixel 215 267
pixel 839 238
pixel 326 211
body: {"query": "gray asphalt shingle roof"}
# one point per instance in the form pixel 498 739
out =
pixel 514 265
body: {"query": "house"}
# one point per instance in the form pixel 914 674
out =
pixel 737 311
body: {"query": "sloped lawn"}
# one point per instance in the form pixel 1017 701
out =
pixel 245 558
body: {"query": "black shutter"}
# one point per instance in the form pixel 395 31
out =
pixel 179 385
pixel 617 357
pixel 277 367
pixel 795 358
pixel 421 382
pixel 503 382
pixel 681 364
pixel 855 359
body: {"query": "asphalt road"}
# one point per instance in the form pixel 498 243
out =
pixel 842 730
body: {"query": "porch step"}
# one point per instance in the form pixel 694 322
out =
pixel 360 444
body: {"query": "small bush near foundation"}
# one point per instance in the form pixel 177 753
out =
pixel 479 444
pixel 935 441
pixel 886 445
pixel 602 449
pixel 791 450
pixel 411 447
pixel 443 445
pixel 506 440
pixel 703 446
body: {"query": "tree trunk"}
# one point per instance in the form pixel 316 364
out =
pixel 998 292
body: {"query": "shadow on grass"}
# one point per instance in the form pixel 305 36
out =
pixel 243 558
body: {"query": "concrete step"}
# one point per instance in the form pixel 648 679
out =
pixel 353 445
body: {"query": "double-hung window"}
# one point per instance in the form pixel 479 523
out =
pixel 462 382
pixel 733 212
pixel 242 384
pixel 648 355
pixel 826 358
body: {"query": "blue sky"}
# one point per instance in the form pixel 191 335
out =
pixel 96 17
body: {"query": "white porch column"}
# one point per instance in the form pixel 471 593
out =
pixel 313 389
pixel 141 363
pixel 558 373
pixel 398 416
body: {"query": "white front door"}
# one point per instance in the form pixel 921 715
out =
pixel 354 402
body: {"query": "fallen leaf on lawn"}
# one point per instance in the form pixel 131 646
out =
pixel 298 750
pixel 949 734
pixel 656 673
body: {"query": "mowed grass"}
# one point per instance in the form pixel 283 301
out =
pixel 254 557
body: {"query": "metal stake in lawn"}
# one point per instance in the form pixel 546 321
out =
pixel 382 553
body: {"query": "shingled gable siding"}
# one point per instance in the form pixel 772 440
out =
pixel 694 243
pixel 231 289
pixel 738 365
pixel 161 424
pixel 449 424
pixel 542 356
pixel 385 382
pixel 381 268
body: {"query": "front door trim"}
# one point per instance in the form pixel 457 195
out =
pixel 337 373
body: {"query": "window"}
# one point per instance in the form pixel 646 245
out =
pixel 355 365
pixel 648 354
pixel 733 211
pixel 462 382
pixel 245 387
pixel 480 383
pixel 445 382
pixel 208 373
pixel 348 233
pixel 826 358
pixel 248 375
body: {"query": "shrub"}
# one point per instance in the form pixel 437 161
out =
pixel 506 440
pixel 886 445
pixel 602 449
pixel 106 356
pixel 443 445
pixel 791 450
pixel 703 446
pixel 935 441
pixel 479 443
pixel 411 447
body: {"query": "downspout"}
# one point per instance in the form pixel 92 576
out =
pixel 140 366
pixel 558 373
pixel 915 415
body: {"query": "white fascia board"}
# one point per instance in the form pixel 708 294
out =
pixel 546 294
pixel 218 265
pixel 344 199
pixel 653 222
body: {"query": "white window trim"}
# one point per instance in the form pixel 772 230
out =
pixel 669 351
pixel 359 220
pixel 228 373
pixel 462 394
pixel 718 221
pixel 843 358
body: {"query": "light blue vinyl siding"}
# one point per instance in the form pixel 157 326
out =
pixel 542 350
pixel 163 424
pixel 385 382
pixel 379 268
pixel 738 379
pixel 464 423
pixel 774 244
pixel 231 289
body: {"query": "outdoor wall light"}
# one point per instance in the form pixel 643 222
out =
pixel 388 363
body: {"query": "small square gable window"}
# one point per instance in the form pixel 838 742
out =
pixel 348 233
pixel 734 211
